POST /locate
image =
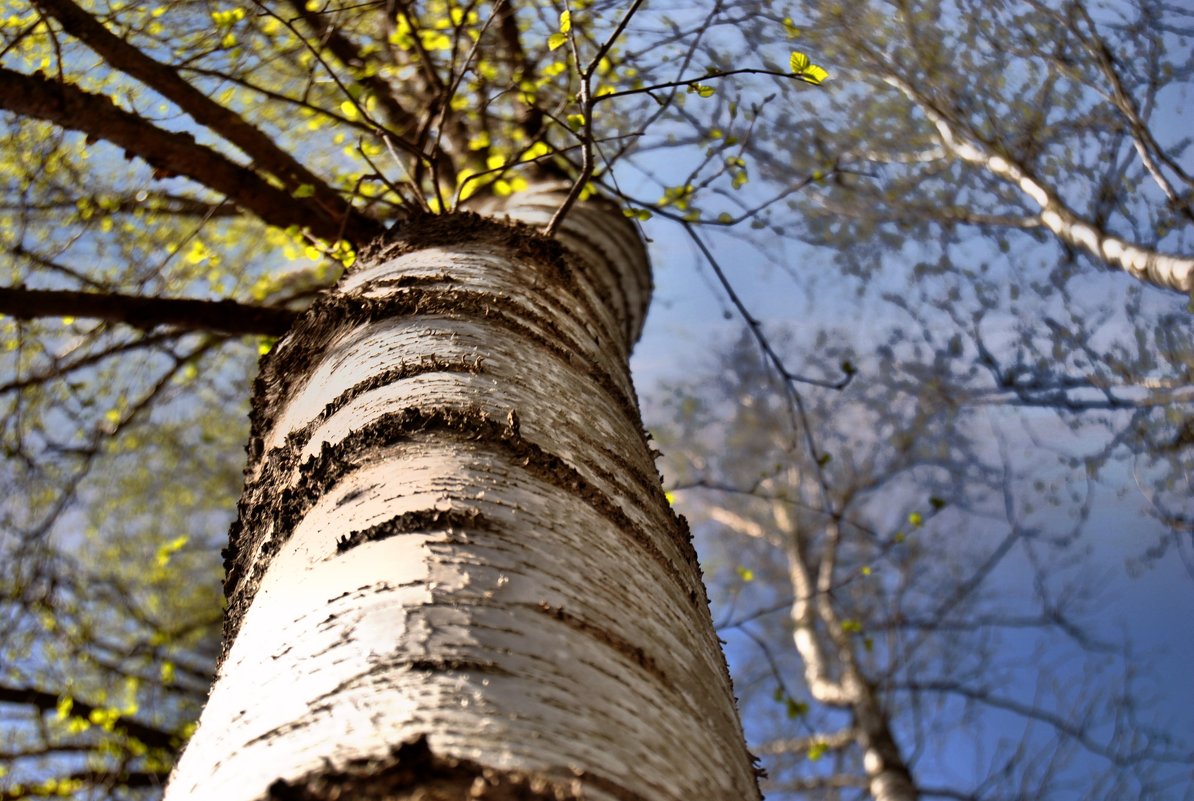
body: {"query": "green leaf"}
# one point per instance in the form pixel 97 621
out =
pixel 796 709
pixel 816 751
pixel 556 41
pixel 851 626
pixel 701 89
pixel 814 75
pixel 565 21
pixel 746 574
pixel 303 190
pixel 916 518
pixel 806 70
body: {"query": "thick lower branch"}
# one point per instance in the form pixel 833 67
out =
pixel 220 120
pixel 173 153
pixel 216 316
pixel 44 701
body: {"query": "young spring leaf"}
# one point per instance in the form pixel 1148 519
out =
pixel 795 709
pixel 806 70
pixel 557 40
pixel 814 74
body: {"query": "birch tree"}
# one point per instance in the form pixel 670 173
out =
pixel 1018 119
pixel 184 184
pixel 454 570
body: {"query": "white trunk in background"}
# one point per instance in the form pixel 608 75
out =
pixel 455 574
pixel 832 671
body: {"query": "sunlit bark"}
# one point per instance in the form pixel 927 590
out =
pixel 455 571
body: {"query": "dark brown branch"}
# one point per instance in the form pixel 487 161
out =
pixel 61 369
pixel 222 316
pixel 224 122
pixel 173 153
pixel 145 733
pixel 154 203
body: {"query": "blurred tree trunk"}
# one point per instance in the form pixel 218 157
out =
pixel 454 574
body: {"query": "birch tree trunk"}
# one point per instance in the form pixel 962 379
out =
pixel 454 574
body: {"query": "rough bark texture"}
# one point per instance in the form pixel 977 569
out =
pixel 455 574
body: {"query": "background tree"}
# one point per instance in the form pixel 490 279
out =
pixel 884 626
pixel 955 131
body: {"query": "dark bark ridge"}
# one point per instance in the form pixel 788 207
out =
pixel 413 772
pixel 284 459
pixel 421 520
pixel 271 507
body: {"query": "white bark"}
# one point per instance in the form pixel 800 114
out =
pixel 1145 264
pixel 832 672
pixel 513 611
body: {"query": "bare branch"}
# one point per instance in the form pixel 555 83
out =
pixel 172 153
pixel 222 316
pixel 222 121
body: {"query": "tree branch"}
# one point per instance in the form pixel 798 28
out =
pixel 172 152
pixel 1160 269
pixel 348 54
pixel 217 316
pixel 222 121
pixel 143 732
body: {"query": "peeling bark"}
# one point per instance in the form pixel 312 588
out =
pixel 455 574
